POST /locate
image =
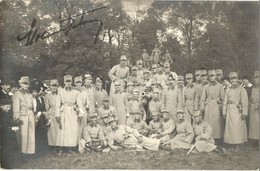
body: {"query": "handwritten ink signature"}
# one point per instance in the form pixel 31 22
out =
pixel 33 36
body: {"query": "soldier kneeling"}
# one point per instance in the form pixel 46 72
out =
pixel 93 136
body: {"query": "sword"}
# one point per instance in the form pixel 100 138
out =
pixel 192 147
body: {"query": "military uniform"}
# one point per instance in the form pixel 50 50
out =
pixel 99 93
pixel 23 110
pixel 254 111
pixel 146 59
pixel 189 99
pixel 108 111
pixel 140 125
pixel 66 108
pixel 156 53
pixel 50 104
pixel 127 137
pixel 119 101
pixel 118 73
pixel 198 90
pixel 184 136
pixel 211 102
pixel 180 90
pixel 155 104
pixel 235 105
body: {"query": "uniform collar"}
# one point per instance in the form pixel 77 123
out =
pixel 68 88
pixel 213 83
pixel 190 85
pixel 24 91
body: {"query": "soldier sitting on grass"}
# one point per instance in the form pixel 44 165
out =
pixel 93 136
pixel 155 124
pixel 138 124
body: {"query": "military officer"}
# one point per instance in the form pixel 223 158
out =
pixel 161 77
pixel 130 138
pixel 134 77
pixel 155 104
pixel 211 104
pixel 146 78
pixel 78 83
pixel 50 104
pixel 199 87
pixel 254 109
pixel 129 91
pixel 184 132
pixel 119 73
pixel 235 111
pixel 180 89
pixel 189 97
pixel 99 93
pixel 23 110
pixel 119 101
pixel 68 115
pixel 93 136
pixel 88 94
pixel 107 110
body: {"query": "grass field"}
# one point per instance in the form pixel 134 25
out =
pixel 246 159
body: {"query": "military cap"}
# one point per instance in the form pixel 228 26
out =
pixel 117 83
pixel 67 78
pixel 123 58
pixel 233 75
pixel 88 76
pixel 144 50
pixel 165 111
pixel 256 74
pixel 54 82
pixel 98 80
pixel 135 91
pixel 155 113
pixel 166 65
pixel 153 82
pixel 219 72
pixel 197 72
pixel 146 71
pixel 197 113
pixel 136 112
pixel 78 79
pixel 212 72
pixel 203 72
pixel 155 66
pixel 156 90
pixel 24 79
pixel 180 78
pixel 189 75
pixel 180 110
pixel 106 99
pixel 134 68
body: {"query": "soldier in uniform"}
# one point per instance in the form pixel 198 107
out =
pixel 204 142
pixel 138 124
pixel 146 59
pixel 219 77
pixel 155 124
pixel 23 110
pixel 107 110
pixel 235 111
pixel 68 115
pixel 134 77
pixel 88 91
pixel 161 78
pixel 168 57
pixel 156 53
pixel 170 99
pixel 211 104
pixel 119 101
pixel 139 65
pixel 99 93
pixel 189 98
pixel 50 104
pixel 199 87
pixel 129 91
pixel 78 83
pixel 93 136
pixel 184 133
pixel 119 73
pixel 180 89
pixel 146 78
pixel 169 73
pixel 226 83
pixel 154 71
pixel 130 138
pixel 254 109
pixel 155 104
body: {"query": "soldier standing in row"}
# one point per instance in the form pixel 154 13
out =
pixel 156 53
pixel 146 59
pixel 235 111
pixel 211 104
pixel 23 110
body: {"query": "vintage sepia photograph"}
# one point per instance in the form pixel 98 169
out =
pixel 129 84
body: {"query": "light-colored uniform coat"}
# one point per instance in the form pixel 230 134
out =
pixel 127 137
pixel 235 130
pixel 99 96
pixel 50 104
pixel 171 100
pixel 167 129
pixel 119 101
pixel 204 130
pixel 184 137
pixel 254 114
pixel 23 109
pixel 66 101
pixel 213 110
pixel 118 73
pixel 189 101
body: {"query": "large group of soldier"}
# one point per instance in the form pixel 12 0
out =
pixel 148 107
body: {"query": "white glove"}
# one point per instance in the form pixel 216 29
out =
pixel 39 114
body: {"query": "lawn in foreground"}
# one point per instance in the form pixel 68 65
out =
pixel 248 158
